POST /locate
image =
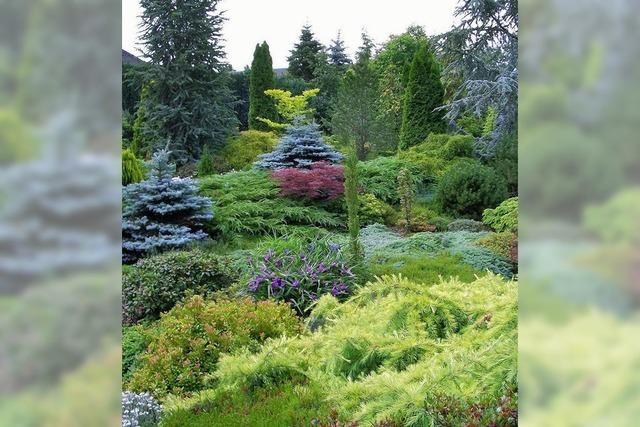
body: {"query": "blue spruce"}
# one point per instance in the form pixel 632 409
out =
pixel 300 147
pixel 163 212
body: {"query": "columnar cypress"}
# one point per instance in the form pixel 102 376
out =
pixel 424 93
pixel 261 105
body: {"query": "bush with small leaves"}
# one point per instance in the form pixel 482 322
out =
pixel 466 225
pixel 243 149
pixel 155 284
pixel 372 210
pixel 380 177
pixel 184 346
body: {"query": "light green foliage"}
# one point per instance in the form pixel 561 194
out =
pixel 132 168
pixel 206 164
pixel 396 347
pixel 504 217
pixel 261 79
pixel 247 202
pixel 289 405
pixel 17 143
pixel 424 94
pixel 489 121
pixel 380 177
pixel 141 143
pixel 424 269
pixel 372 210
pixel 468 188
pixel 184 346
pixel 499 243
pixel 616 221
pixel 243 149
pixel 289 107
pixel 134 343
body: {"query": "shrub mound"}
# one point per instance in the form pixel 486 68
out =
pixel 156 284
pixel 504 217
pixel 184 346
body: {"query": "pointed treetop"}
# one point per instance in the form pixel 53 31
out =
pixel 337 52
pixel 366 49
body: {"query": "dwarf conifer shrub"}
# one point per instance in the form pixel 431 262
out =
pixel 162 212
pixel 504 217
pixel 301 146
pixel 132 169
pixel 323 181
pixel 468 188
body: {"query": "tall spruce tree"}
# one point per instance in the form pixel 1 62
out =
pixel 162 213
pixel 367 48
pixel 190 104
pixel 337 53
pixel 262 79
pixel 424 94
pixel 304 55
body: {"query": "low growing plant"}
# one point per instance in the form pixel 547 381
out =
pixel 184 346
pixel 504 217
pixel 156 284
pixel 323 181
pixel 140 410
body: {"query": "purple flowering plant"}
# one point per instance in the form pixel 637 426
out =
pixel 301 275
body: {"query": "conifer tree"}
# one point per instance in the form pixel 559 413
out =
pixel 300 147
pixel 353 208
pixel 162 212
pixel 260 104
pixel 337 53
pixel 304 55
pixel 132 170
pixel 424 94
pixel 367 48
pixel 190 105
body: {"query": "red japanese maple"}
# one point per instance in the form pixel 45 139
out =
pixel 324 181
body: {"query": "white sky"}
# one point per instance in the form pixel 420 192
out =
pixel 279 23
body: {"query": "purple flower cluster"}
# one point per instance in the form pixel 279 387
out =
pixel 300 277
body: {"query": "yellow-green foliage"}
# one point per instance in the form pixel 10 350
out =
pixel 498 243
pixel 398 351
pixel 132 168
pixel 243 149
pixel 616 221
pixel 438 150
pixel 504 217
pixel 289 106
pixel 17 143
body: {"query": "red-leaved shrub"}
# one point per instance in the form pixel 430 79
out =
pixel 324 181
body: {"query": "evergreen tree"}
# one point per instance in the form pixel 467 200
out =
pixel 326 77
pixel 300 147
pixel 424 94
pixel 355 115
pixel 190 104
pixel 337 53
pixel 304 55
pixel 162 212
pixel 367 48
pixel 353 208
pixel 240 81
pixel 206 163
pixel 260 104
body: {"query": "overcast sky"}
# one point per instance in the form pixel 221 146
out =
pixel 279 22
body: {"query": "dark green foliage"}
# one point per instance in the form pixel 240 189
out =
pixel 295 85
pixel 355 116
pixel 423 95
pixel 303 58
pixel 131 88
pixel 184 346
pixel 134 343
pixel 443 319
pixel 141 144
pixel 505 163
pixel 132 168
pixel 408 357
pixel 206 164
pixel 261 105
pixel 156 284
pixel 240 87
pixel 468 188
pixel 190 105
pixel 466 225
pixel 326 77
pixel 248 203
